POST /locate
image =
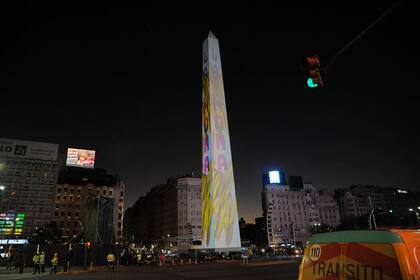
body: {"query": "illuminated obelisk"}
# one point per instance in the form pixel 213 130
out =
pixel 220 229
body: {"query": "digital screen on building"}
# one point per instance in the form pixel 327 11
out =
pixel 11 224
pixel 274 177
pixel 80 158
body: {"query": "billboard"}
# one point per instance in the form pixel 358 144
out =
pixel 28 149
pixel 11 223
pixel 80 158
pixel 220 228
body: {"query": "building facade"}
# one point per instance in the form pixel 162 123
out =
pixel 28 177
pixel 353 205
pixel 74 186
pixel 329 212
pixel 169 215
pixel 288 218
pixel 293 210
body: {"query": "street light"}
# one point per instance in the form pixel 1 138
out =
pixel 410 209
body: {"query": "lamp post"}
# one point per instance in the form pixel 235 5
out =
pixel 415 212
pixel 71 239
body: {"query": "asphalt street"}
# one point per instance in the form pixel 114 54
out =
pixel 216 271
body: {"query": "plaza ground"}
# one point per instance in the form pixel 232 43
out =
pixel 219 271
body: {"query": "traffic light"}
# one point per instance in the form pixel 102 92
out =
pixel 314 72
pixel 87 244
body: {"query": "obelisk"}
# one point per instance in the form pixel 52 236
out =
pixel 220 229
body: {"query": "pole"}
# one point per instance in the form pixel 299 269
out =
pixel 97 220
pixel 372 213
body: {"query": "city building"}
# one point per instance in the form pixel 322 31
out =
pixel 169 214
pixel 28 177
pixel 293 209
pixel 285 209
pixel 353 205
pixel 74 187
pixel 329 212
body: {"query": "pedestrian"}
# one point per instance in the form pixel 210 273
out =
pixel 245 257
pixel 111 261
pixel 36 260
pixel 250 254
pixel 42 261
pixel 138 258
pixel 162 259
pixel 9 256
pixel 54 263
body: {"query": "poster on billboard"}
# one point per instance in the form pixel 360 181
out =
pixel 80 158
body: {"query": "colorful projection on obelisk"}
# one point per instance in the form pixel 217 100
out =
pixel 220 229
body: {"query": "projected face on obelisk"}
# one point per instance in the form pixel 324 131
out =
pixel 220 229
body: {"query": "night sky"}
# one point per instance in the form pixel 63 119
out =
pixel 126 81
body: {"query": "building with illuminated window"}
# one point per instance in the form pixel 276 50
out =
pixel 292 209
pixel 74 186
pixel 28 177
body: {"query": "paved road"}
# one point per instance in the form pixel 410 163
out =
pixel 218 271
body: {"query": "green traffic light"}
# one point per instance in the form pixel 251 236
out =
pixel 311 83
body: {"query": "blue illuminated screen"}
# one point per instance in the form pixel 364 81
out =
pixel 274 177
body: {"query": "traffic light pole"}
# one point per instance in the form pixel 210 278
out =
pixel 85 257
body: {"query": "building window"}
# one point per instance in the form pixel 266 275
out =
pixel 104 192
pixel 56 213
pixel 59 190
pixel 119 216
pixel 62 214
pixel 69 214
pixel 61 224
pixel 77 214
pixel 119 225
pixel 97 192
pixel 122 194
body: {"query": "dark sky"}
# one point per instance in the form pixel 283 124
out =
pixel 126 81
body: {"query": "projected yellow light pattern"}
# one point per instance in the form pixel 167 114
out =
pixel 219 210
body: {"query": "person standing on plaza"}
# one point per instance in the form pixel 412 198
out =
pixel 54 264
pixel 245 257
pixel 10 257
pixel 36 260
pixel 111 261
pixel 42 261
pixel 162 259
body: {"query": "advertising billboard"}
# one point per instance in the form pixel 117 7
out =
pixel 28 149
pixel 220 228
pixel 80 158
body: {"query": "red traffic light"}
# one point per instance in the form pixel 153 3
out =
pixel 87 244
